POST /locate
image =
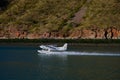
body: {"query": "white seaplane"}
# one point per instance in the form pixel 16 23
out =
pixel 49 49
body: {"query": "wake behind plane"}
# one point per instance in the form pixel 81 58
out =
pixel 52 48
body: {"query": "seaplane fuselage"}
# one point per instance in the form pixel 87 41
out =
pixel 54 48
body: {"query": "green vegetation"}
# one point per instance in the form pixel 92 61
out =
pixel 51 15
pixel 103 13
pixel 56 15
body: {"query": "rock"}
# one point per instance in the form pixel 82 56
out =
pixel 88 34
pixel 111 33
pixel 100 34
pixel 108 33
pixel 114 33
pixel 1 34
pixel 118 34
pixel 60 35
pixel 75 34
pixel 33 36
pixel 46 35
pixel 54 35
pixel 84 33
pixel 23 34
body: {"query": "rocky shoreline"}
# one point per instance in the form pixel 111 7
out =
pixel 83 33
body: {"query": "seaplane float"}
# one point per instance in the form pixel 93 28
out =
pixel 50 49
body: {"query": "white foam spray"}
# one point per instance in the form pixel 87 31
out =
pixel 81 53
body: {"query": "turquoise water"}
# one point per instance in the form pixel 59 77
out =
pixel 19 62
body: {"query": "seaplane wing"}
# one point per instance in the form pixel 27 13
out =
pixel 48 47
pixel 54 48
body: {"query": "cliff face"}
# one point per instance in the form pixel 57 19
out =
pixel 91 33
pixel 85 19
pixel 108 33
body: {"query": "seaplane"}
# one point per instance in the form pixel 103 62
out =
pixel 49 49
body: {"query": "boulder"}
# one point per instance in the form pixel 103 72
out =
pixel 114 33
pixel 75 34
pixel 88 34
pixel 100 34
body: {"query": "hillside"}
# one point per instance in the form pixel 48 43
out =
pixel 59 19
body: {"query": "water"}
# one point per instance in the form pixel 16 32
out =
pixel 25 63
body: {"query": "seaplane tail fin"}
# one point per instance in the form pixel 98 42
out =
pixel 65 46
